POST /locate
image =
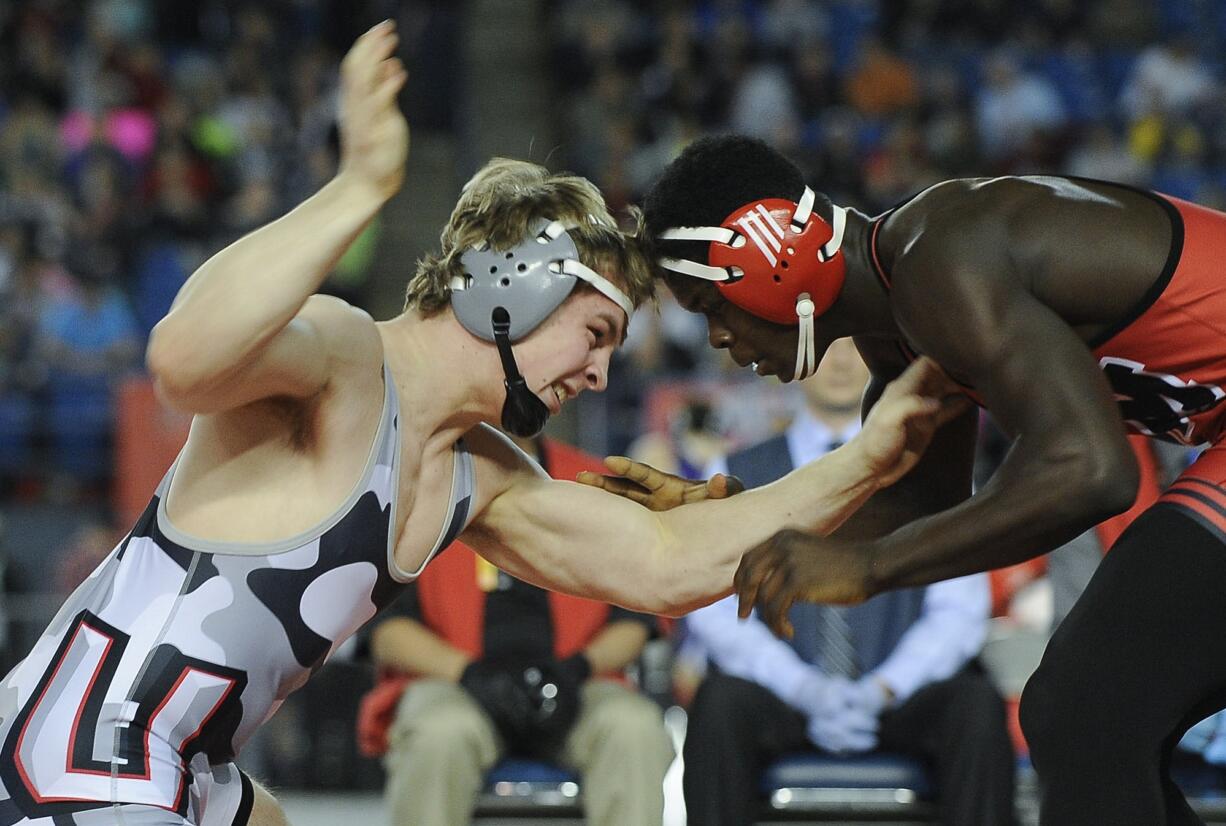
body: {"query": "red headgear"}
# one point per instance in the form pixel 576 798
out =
pixel 775 259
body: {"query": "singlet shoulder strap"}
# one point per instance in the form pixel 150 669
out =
pixel 873 234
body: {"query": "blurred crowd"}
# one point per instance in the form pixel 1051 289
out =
pixel 136 138
pixel 876 101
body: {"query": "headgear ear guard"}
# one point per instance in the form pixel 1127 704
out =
pixel 790 273
pixel 504 295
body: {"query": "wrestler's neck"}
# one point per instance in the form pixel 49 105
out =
pixel 448 381
pixel 863 305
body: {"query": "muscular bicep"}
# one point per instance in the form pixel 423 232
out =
pixel 563 536
pixel 1033 373
pixel 296 362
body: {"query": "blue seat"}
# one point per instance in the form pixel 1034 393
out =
pixel 863 785
pixel 517 787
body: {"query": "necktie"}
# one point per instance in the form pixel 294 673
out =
pixel 838 649
pixel 823 636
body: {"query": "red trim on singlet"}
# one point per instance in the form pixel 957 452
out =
pixel 17 761
pixel 230 683
pixel 1203 497
pixel 89 689
pixel 872 249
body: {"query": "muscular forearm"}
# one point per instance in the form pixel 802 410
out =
pixel 408 646
pixel 581 540
pixel 245 294
pixel 1027 509
pixel 705 540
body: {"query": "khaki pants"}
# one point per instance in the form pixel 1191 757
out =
pixel 442 744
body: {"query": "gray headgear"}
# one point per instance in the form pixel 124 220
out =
pixel 529 280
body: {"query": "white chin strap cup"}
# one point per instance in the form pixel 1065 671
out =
pixel 806 348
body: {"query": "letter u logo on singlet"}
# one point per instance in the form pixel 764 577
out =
pixel 53 760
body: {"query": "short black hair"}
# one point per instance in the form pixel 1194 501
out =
pixel 710 179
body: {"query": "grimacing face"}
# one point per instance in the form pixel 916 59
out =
pixel 747 338
pixel 570 351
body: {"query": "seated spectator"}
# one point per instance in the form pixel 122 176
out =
pixel 491 666
pixel 1015 108
pixel 896 673
pixel 881 82
pixel 1167 77
pixel 1204 747
pixel 21 295
pixel 88 340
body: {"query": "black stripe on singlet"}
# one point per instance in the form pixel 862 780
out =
pixel 1168 269
pixel 246 802
pixel 1200 497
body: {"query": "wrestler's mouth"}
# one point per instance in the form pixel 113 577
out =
pixel 761 368
pixel 556 395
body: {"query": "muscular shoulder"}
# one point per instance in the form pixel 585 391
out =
pixel 953 218
pixel 499 463
pixel 955 241
pixel 347 333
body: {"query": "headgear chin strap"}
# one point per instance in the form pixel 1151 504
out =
pixel 504 295
pixel 523 412
pixel 791 272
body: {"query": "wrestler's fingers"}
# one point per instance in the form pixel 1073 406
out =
pixel 953 406
pixel 754 566
pixel 775 597
pixel 615 485
pixel 360 64
pixel 638 472
pixel 394 78
pixel 912 381
pixel 717 487
pixel 733 484
pixel 587 477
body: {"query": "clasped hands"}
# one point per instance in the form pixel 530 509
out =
pixel 843 715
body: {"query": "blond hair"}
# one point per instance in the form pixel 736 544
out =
pixel 499 205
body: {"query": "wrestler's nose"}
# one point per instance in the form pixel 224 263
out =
pixel 721 337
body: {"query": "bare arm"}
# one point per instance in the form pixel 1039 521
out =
pixel 1070 465
pixel 579 540
pixel 234 333
pixel 941 478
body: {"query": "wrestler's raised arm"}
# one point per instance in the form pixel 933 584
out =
pixel 579 540
pixel 241 327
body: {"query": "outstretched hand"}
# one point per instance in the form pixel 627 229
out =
pixel 655 489
pixel 903 421
pixel 374 133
